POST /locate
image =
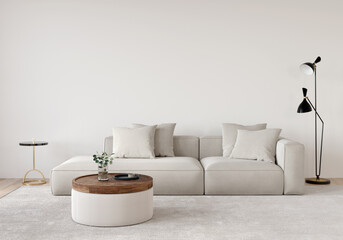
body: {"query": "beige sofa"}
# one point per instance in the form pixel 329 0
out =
pixel 184 174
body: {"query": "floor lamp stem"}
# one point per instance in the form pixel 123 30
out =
pixel 315 123
pixel 318 180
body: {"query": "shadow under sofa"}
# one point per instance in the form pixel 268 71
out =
pixel 184 174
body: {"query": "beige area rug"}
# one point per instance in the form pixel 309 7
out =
pixel 33 213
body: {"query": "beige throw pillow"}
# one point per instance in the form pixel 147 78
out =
pixel 134 142
pixel 229 131
pixel 258 145
pixel 164 139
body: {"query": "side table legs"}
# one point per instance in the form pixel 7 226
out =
pixel 34 181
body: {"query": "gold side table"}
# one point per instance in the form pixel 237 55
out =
pixel 34 181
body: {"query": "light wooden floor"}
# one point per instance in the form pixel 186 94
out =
pixel 336 181
pixel 8 185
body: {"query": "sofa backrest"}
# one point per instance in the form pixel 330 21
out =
pixel 211 146
pixel 184 146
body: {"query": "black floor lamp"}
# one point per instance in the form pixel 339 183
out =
pixel 307 106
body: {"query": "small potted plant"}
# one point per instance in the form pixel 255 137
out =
pixel 102 160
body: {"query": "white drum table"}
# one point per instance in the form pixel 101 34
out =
pixel 113 202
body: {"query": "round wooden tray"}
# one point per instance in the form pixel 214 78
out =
pixel 91 184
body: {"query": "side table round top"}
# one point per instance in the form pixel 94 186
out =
pixel 30 143
pixel 91 184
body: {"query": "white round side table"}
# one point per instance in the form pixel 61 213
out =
pixel 113 202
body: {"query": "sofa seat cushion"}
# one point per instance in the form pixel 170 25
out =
pixel 172 175
pixel 157 164
pixel 241 177
pixel 226 164
pixel 85 163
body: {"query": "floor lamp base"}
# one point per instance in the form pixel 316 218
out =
pixel 317 180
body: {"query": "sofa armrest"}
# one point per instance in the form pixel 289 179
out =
pixel 290 157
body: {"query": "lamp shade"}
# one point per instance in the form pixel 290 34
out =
pixel 307 68
pixel 304 106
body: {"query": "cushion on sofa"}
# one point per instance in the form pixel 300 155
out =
pixel 187 146
pixel 256 145
pixel 134 142
pixel 164 133
pixel 229 132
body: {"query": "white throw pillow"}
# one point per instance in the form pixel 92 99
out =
pixel 258 145
pixel 164 139
pixel 134 142
pixel 229 131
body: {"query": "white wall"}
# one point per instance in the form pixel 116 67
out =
pixel 72 69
